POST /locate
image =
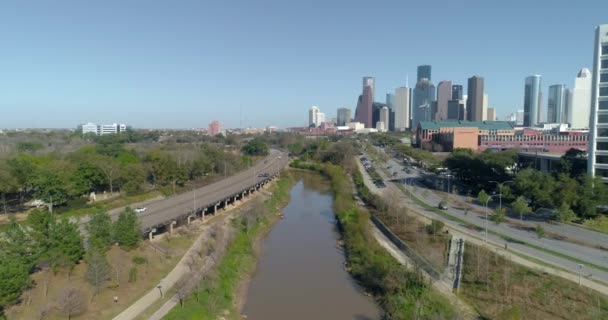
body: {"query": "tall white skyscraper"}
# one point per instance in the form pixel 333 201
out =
pixel 312 115
pixel 484 114
pixel 580 101
pixel 384 116
pixel 401 105
pixel 597 164
pixel 320 118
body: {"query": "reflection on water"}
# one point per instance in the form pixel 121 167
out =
pixel 300 274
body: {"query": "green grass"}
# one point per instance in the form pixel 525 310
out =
pixel 217 294
pixel 500 289
pixel 502 236
pixel 598 224
pixel 403 294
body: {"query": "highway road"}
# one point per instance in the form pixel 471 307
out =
pixel 587 253
pixel 161 211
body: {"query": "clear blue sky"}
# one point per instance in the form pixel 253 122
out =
pixel 181 64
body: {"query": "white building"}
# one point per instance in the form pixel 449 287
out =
pixel 597 163
pixel 580 101
pixel 356 125
pixel 320 118
pixel 312 115
pixel 401 105
pixel 484 111
pixel 90 128
pixel 112 128
pixel 384 118
pixel 103 129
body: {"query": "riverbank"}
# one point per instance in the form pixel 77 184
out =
pixel 217 296
pixel 402 294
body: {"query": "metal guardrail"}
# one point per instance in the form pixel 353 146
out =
pixel 418 260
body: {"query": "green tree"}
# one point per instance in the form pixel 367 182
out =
pixel 41 224
pixel 53 184
pixel 8 185
pixel 565 214
pixel 573 163
pixel 98 269
pixel 127 230
pixel 537 186
pixel 100 230
pixel 483 197
pixel 14 278
pixel 540 231
pixel 23 168
pixel 16 244
pixel 133 177
pixel 520 207
pixel 110 168
pixel 29 146
pixel 499 216
pixel 65 244
pixel 256 147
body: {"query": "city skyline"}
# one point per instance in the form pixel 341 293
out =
pixel 181 66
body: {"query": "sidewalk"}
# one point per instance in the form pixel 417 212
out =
pixel 496 244
pixel 177 273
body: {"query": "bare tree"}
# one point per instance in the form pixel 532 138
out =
pixel 71 302
pixel 184 288
pixel 110 168
pixel 43 312
pixel 191 262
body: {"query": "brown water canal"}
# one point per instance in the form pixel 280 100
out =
pixel 300 273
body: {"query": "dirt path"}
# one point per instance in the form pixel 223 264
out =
pixel 464 309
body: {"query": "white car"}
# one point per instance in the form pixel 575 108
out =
pixel 140 210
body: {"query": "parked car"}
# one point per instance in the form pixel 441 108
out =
pixel 442 205
pixel 140 209
pixel 263 175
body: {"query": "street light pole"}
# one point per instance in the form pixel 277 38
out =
pixel 489 198
pixel 500 184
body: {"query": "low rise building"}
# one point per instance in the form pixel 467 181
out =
pixel 102 129
pixel 498 135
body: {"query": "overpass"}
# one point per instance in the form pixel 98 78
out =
pixel 180 209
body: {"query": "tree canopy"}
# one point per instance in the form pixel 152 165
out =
pixel 256 147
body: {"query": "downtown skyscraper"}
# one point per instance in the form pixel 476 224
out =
pixel 423 97
pixel 444 95
pixel 363 113
pixel 475 98
pixel 532 101
pixel 343 116
pixel 401 105
pixel 597 163
pixel 423 72
pixel 580 101
pixel 557 104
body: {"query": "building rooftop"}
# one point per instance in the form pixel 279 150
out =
pixel 482 125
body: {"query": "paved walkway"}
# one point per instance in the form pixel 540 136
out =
pixel 171 279
pixel 494 243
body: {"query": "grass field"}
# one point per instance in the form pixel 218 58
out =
pixel 500 289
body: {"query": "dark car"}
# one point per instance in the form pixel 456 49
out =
pixel 443 205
